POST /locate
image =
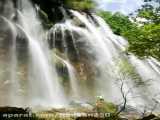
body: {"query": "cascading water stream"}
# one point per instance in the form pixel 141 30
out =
pixel 14 93
pixel 105 54
pixel 147 69
pixel 44 86
pixel 71 71
pixel 154 64
pixel 14 80
pixel 108 50
pixel 96 44
pixel 72 76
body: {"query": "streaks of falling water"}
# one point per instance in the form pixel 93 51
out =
pixel 154 64
pixel 71 71
pixel 72 76
pixel 44 86
pixel 14 79
pixel 96 45
pixel 15 86
pixel 104 51
pixel 109 50
pixel 147 73
pixel 147 69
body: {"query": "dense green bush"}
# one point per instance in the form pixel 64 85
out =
pixel 118 22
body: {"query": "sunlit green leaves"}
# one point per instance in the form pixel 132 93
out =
pixel 118 22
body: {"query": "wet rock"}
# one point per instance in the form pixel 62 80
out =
pixel 81 104
pixel 8 32
pixel 12 110
pixel 51 8
pixel 7 8
pixel 149 117
pixel 15 113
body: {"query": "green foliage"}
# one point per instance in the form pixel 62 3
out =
pixel 147 42
pixel 150 11
pixel 148 37
pixel 153 37
pixel 143 40
pixel 109 107
pixel 105 107
pixel 80 4
pixel 118 22
pixel 128 70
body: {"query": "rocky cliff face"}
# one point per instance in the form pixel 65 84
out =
pixel 50 13
pixel 51 8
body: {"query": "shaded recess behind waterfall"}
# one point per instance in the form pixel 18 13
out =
pixel 53 8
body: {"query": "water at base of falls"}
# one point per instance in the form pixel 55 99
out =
pixel 93 56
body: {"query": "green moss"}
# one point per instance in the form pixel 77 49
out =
pixel 80 4
pixel 128 70
pixel 109 107
pixel 105 107
pixel 61 67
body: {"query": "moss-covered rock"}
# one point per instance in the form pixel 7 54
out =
pixel 105 107
pixel 84 5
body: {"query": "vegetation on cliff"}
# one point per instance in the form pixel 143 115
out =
pixel 80 4
pixel 141 29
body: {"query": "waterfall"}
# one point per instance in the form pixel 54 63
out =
pixel 146 69
pixel 108 52
pixel 14 91
pixel 72 76
pixel 71 71
pixel 96 45
pixel 14 80
pixel 94 59
pixel 44 88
